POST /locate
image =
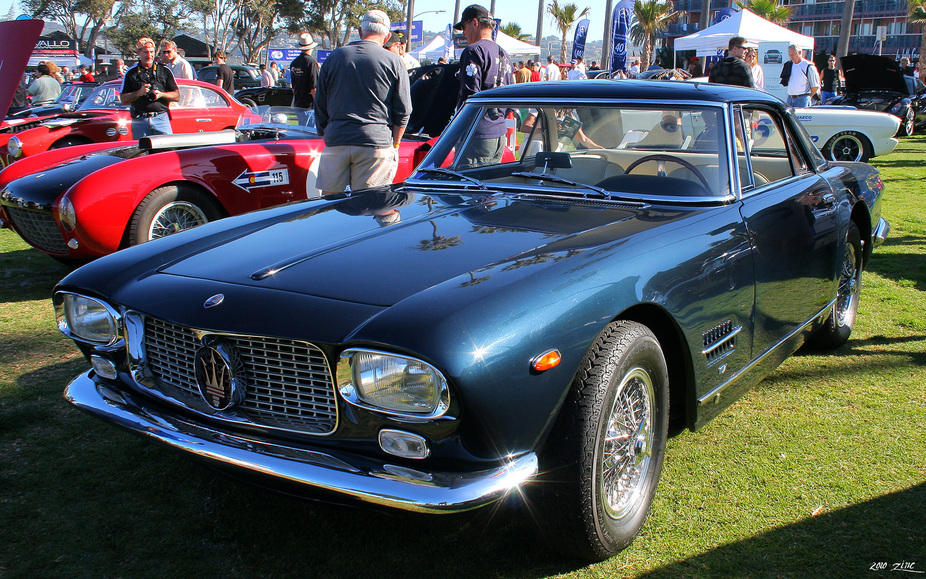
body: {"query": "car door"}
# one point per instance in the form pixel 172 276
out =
pixel 201 109
pixel 791 215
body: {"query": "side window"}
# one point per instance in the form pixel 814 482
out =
pixel 766 142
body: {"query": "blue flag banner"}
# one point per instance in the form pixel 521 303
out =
pixel 722 15
pixel 578 44
pixel 620 29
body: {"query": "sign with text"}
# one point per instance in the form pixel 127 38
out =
pixel 417 28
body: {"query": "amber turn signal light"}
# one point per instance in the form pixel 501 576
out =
pixel 547 360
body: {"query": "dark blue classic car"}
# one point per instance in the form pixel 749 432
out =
pixel 575 270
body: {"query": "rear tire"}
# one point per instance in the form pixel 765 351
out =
pixel 605 454
pixel 249 103
pixel 848 146
pixel 838 326
pixel 171 209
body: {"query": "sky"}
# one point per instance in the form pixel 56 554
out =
pixel 519 11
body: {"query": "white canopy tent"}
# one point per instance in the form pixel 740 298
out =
pixel 750 26
pixel 511 45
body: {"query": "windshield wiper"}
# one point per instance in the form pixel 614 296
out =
pixel 563 180
pixel 452 173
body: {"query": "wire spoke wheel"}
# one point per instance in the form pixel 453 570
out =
pixel 628 444
pixel 174 217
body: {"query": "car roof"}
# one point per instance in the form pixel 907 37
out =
pixel 670 91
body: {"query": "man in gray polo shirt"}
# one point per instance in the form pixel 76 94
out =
pixel 362 104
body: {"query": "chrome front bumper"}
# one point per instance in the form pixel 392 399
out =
pixel 881 232
pixel 388 485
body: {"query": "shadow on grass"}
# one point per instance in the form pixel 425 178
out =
pixel 28 274
pixel 843 543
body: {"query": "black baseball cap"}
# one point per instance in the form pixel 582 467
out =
pixel 392 40
pixel 470 12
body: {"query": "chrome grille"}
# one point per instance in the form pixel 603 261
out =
pixel 39 228
pixel 289 385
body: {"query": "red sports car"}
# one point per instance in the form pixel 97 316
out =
pixel 102 118
pixel 87 201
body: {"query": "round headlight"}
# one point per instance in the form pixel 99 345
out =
pixel 67 214
pixel 395 384
pixel 87 319
pixel 14 147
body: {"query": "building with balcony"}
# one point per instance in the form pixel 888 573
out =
pixel 822 19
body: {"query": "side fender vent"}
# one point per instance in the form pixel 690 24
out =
pixel 719 341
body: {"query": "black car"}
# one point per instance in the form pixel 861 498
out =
pixel 245 76
pixel 875 83
pixel 273 96
pixel 529 315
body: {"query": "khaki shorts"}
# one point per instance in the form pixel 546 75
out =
pixel 359 167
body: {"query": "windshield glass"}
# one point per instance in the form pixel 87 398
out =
pixel 289 119
pixel 651 149
pixel 104 97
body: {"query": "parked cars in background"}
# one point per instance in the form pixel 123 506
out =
pixel 245 76
pixel 259 96
pixel 528 326
pixel 875 83
pixel 72 95
pixel 844 133
pixel 103 118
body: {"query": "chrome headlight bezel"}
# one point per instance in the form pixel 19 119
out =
pixel 14 147
pixel 73 323
pixel 67 214
pixel 361 389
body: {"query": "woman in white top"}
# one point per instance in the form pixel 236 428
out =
pixel 758 76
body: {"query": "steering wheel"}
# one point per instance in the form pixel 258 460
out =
pixel 661 166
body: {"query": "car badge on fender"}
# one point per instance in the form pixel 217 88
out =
pixel 214 301
pixel 219 374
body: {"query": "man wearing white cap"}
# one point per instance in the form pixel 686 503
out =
pixel 361 109
pixel 304 72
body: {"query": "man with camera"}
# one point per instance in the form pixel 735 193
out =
pixel 149 87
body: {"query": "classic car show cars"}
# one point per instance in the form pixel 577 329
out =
pixel 75 204
pixel 529 325
pixel 843 133
pixel 875 83
pixel 102 118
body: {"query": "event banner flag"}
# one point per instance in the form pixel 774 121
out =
pixel 17 39
pixel 578 44
pixel 620 28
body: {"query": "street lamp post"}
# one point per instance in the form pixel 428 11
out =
pixel 411 19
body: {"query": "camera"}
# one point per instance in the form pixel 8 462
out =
pixel 151 95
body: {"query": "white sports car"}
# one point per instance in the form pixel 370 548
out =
pixel 849 134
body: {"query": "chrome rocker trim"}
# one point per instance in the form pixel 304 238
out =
pixel 882 230
pixel 388 485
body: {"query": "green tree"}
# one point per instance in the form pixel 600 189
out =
pixel 565 16
pixel 81 19
pixel 768 9
pixel 917 14
pixel 650 19
pixel 513 29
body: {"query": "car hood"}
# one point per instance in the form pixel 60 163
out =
pixel 381 246
pixel 872 72
pixel 41 189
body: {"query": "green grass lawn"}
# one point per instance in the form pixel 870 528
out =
pixel 820 471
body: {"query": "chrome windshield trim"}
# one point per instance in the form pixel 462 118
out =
pixel 381 484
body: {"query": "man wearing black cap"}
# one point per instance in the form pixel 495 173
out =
pixel 483 65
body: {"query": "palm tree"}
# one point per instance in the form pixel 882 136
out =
pixel 565 16
pixel 513 29
pixel 917 11
pixel 650 19
pixel 768 9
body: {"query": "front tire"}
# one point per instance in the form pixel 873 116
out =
pixel 848 146
pixel 606 452
pixel 838 326
pixel 168 210
pixel 907 123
